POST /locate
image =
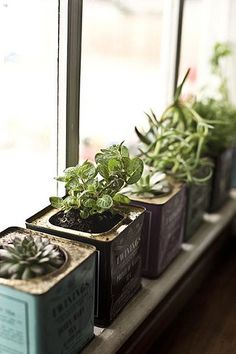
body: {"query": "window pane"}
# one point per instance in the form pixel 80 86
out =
pixel 28 110
pixel 191 46
pixel 120 73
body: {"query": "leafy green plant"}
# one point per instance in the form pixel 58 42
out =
pixel 29 257
pixel 217 108
pixel 174 144
pixel 94 188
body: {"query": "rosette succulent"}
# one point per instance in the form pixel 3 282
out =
pixel 29 257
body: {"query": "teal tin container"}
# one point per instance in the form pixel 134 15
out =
pixel 52 314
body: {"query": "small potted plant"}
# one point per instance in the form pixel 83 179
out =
pixel 46 293
pixel 221 114
pixel 189 164
pixel 174 145
pixel 94 211
pixel 162 232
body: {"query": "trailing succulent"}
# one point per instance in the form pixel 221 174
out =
pixel 94 188
pixel 217 108
pixel 174 144
pixel 29 257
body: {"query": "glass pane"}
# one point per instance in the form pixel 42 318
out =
pixel 120 75
pixel 28 109
pixel 191 49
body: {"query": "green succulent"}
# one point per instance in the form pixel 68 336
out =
pixel 151 184
pixel 174 149
pixel 29 257
pixel 174 144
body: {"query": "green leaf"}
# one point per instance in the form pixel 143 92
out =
pixel 90 203
pixel 126 162
pixel 61 179
pixel 117 184
pixel 124 151
pixel 114 165
pixel 99 157
pixel 84 214
pixel 73 184
pixel 121 199
pixel 135 170
pixel 105 202
pixel 179 88
pixel 56 202
pixel 142 138
pixel 87 170
pixel 103 171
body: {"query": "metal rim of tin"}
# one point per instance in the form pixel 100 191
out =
pixel 113 230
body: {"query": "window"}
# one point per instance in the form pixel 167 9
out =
pixel 191 39
pixel 29 106
pixel 121 71
pixel 205 22
pixel 128 65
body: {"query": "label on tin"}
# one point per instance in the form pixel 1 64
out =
pixel 70 311
pixel 126 266
pixel 171 229
pixel 13 326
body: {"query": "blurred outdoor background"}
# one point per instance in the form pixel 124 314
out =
pixel 121 78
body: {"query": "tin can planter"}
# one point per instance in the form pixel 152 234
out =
pixel 233 175
pixel 53 313
pixel 221 181
pixel 118 271
pixel 162 232
pixel 198 198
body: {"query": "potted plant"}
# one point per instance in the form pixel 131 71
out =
pixel 94 211
pixel 218 110
pixel 162 232
pixel 174 145
pixel 46 293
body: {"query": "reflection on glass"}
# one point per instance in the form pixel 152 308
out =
pixel 120 74
pixel 28 89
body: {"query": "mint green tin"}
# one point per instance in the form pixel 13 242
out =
pixel 53 314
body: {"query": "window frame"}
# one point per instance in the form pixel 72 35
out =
pixel 74 36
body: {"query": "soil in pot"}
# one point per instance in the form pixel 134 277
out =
pixel 97 223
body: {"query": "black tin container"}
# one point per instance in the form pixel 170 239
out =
pixel 162 232
pixel 118 271
pixel 221 181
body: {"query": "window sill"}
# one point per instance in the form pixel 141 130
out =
pixel 143 310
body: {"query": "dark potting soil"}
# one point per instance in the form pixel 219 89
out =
pixel 95 224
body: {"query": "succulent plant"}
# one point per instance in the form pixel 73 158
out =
pixel 29 257
pixel 175 143
pixel 151 184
